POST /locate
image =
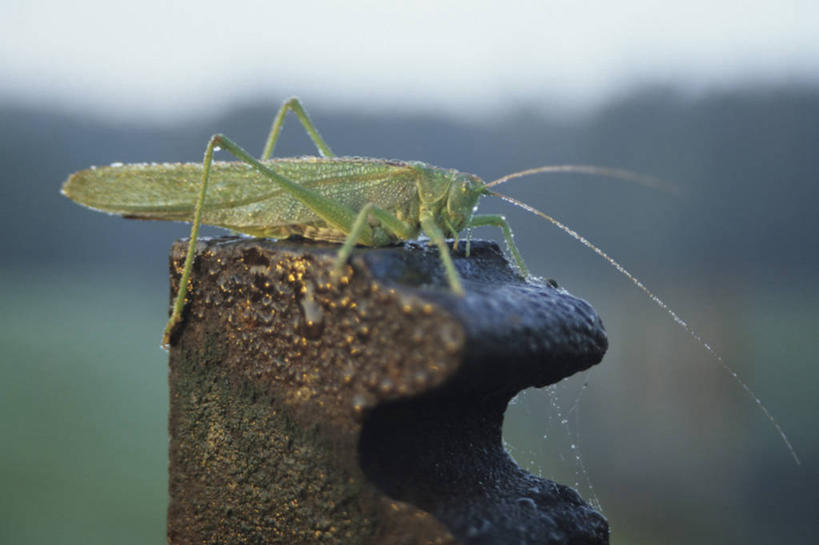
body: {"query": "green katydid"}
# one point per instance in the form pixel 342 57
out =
pixel 352 200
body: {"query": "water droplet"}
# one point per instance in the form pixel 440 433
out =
pixel 528 502
pixel 451 338
pixel 479 529
pixel 421 378
pixel 386 385
pixel 313 314
pixel 347 375
pixel 361 402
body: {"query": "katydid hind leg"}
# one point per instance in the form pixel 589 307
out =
pixel 294 105
pixel 179 302
pixel 331 211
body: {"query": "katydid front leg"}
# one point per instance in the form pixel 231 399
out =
pixel 179 302
pixel 499 221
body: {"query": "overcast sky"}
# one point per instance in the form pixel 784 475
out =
pixel 151 58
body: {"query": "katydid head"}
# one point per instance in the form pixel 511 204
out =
pixel 464 192
pixel 450 194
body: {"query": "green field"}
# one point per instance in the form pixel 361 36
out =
pixel 83 409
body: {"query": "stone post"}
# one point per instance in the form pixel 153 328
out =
pixel 366 409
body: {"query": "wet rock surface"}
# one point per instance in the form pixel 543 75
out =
pixel 365 409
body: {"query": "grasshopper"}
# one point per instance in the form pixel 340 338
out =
pixel 351 200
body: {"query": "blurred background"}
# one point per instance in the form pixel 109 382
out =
pixel 721 98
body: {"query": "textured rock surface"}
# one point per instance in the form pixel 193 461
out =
pixel 368 410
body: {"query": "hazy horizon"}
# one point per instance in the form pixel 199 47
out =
pixel 158 61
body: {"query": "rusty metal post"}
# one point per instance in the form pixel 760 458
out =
pixel 365 410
